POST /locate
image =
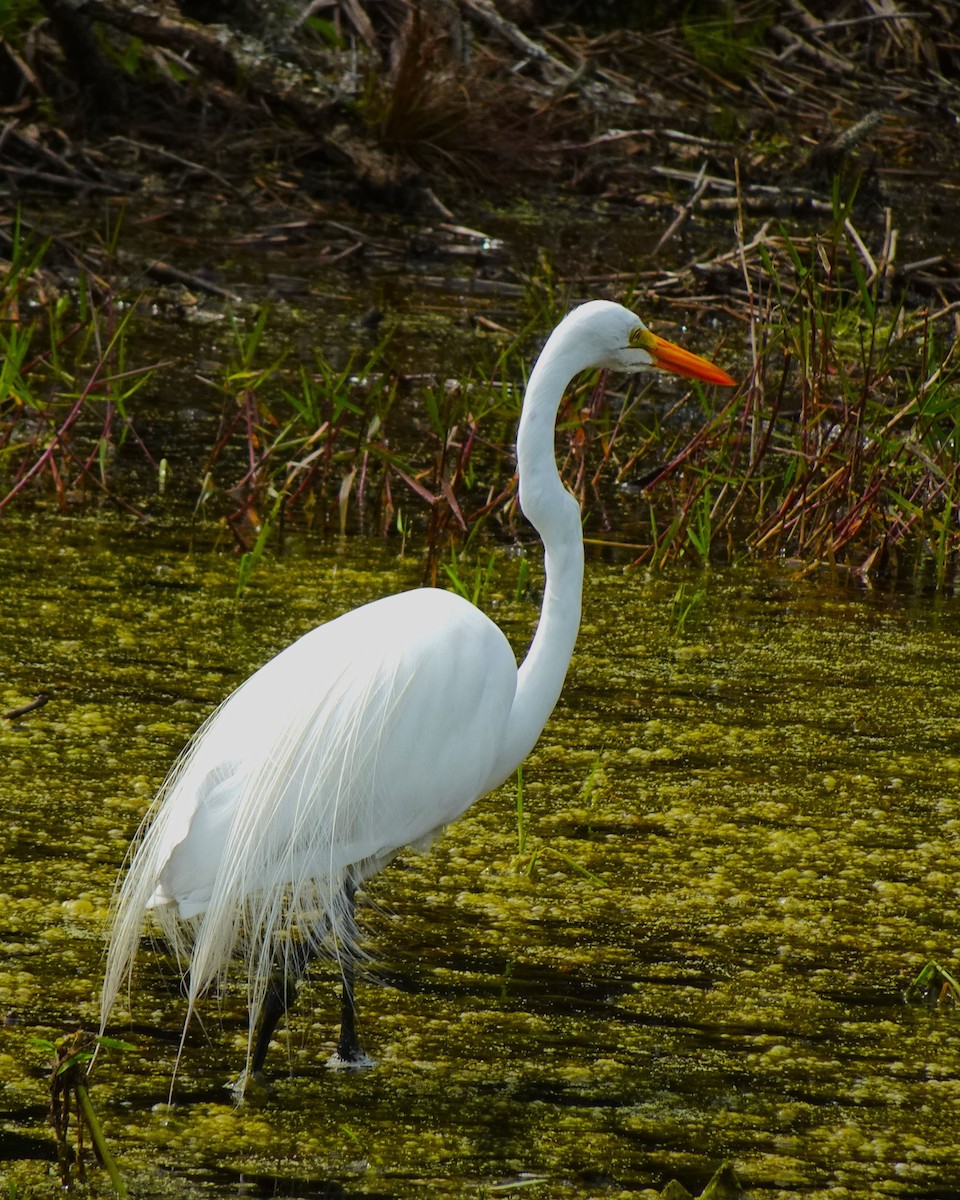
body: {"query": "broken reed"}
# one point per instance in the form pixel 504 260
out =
pixel 842 445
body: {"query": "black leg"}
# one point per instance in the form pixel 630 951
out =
pixel 283 992
pixel 349 1050
pixel 280 996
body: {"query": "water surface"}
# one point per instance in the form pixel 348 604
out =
pixel 740 844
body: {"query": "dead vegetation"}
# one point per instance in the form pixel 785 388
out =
pixel 395 90
pixel 793 157
pixel 732 112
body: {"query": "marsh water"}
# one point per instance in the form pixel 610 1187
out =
pixel 739 846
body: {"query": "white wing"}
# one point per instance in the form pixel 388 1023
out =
pixel 368 734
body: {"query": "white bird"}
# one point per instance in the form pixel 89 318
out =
pixel 368 734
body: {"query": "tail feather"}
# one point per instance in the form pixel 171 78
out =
pixel 290 841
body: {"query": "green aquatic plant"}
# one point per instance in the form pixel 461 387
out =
pixel 285 445
pixel 69 1085
pixel 934 985
pixel 528 856
pixel 17 1191
pixel 593 783
pixel 843 446
pixel 700 526
pixel 723 1185
pixel 521 824
pixel 472 586
pixel 471 569
pixel 546 294
pixel 723 38
pixel 250 559
pixel 686 600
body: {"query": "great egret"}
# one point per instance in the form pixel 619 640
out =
pixel 369 734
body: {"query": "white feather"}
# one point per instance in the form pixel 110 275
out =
pixel 315 769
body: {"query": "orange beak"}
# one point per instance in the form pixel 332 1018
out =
pixel 670 357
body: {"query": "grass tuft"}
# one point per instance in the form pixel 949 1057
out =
pixel 842 447
pixel 66 386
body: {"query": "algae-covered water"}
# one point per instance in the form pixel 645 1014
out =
pixel 740 843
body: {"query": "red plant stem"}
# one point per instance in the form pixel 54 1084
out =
pixel 57 439
pixel 694 444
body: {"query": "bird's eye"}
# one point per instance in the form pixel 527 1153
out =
pixel 641 338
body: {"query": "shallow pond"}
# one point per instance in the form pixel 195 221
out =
pixel 739 845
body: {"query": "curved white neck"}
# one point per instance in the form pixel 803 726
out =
pixel 555 515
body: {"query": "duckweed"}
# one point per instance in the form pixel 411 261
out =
pixel 741 846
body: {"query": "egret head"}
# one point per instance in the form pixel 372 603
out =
pixel 620 341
